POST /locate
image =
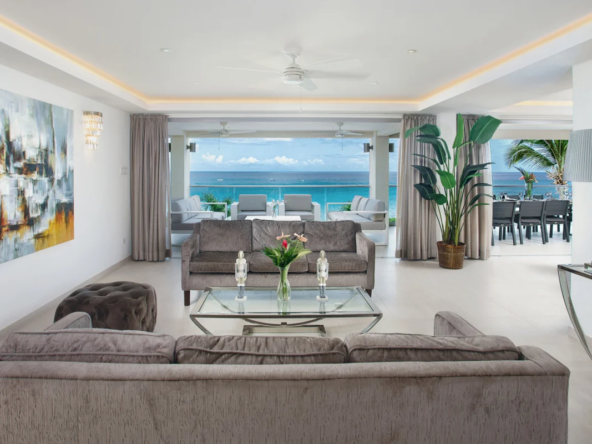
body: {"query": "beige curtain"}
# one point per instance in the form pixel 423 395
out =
pixel 150 187
pixel 417 227
pixel 478 225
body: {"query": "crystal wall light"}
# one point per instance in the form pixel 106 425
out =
pixel 93 125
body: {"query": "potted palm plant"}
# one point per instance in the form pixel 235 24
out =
pixel 449 196
pixel 541 155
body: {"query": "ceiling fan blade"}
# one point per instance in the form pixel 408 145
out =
pixel 348 133
pixel 338 62
pixel 237 68
pixel 336 75
pixel 308 84
pixel 242 132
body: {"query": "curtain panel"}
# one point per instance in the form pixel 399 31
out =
pixel 150 187
pixel 417 227
pixel 478 225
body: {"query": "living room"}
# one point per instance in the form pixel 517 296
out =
pixel 311 289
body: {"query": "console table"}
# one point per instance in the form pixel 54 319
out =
pixel 565 273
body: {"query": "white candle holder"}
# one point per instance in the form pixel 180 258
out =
pixel 241 270
pixel 322 276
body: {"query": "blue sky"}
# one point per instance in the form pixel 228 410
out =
pixel 285 154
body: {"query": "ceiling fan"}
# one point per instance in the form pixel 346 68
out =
pixel 343 133
pixel 294 74
pixel 224 132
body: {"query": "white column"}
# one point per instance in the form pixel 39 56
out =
pixel 581 245
pixel 180 164
pixel 379 169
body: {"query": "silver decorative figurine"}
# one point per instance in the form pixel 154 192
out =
pixel 241 269
pixel 322 276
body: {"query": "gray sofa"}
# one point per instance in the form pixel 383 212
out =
pixel 185 213
pixel 371 214
pixel 455 387
pixel 209 255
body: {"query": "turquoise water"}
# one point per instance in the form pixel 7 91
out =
pixel 324 186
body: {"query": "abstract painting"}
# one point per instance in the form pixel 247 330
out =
pixel 36 175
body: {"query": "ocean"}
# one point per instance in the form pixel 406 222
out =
pixel 329 186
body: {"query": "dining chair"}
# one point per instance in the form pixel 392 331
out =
pixel 538 196
pixel 503 216
pixel 556 214
pixel 513 196
pixel 531 214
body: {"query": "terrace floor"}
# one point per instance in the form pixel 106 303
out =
pixel 515 293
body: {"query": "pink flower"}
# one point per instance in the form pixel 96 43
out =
pixel 521 178
pixel 285 243
pixel 300 237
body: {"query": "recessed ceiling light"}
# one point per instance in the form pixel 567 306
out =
pixel 196 83
pixel 412 51
pixel 166 50
pixel 375 83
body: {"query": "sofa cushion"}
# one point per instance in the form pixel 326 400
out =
pixel 362 204
pixel 330 236
pixel 252 202
pixel 374 205
pixel 265 232
pixel 298 202
pixel 225 235
pixel 90 345
pixel 259 263
pixel 180 206
pixel 376 347
pixel 339 262
pixel 303 215
pixel 214 262
pixel 259 350
pixel 355 202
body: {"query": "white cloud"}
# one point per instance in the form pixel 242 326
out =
pixel 313 162
pixel 285 160
pixel 246 161
pixel 212 158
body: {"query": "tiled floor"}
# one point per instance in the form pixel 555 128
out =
pixel 515 294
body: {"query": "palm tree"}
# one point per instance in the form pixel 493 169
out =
pixel 547 155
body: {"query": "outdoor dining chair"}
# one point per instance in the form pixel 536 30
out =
pixel 503 216
pixel 538 197
pixel 531 214
pixel 556 214
pixel 513 196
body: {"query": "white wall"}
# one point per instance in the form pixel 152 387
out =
pixel 101 208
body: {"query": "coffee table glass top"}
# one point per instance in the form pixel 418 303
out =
pixel 262 302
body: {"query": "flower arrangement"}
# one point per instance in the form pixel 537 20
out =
pixel 529 181
pixel 286 252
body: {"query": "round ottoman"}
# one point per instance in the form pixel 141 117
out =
pixel 115 305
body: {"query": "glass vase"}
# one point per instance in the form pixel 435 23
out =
pixel 528 186
pixel 284 292
pixel 563 192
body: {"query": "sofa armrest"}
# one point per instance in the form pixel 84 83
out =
pixel 365 247
pixel 447 323
pixel 189 248
pixel 316 210
pixel 77 319
pixel 234 211
pixel 544 360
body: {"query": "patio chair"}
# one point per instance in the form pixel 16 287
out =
pixel 531 214
pixel 371 214
pixel 300 205
pixel 503 216
pixel 556 214
pixel 513 196
pixel 538 197
pixel 249 205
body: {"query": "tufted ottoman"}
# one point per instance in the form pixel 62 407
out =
pixel 115 305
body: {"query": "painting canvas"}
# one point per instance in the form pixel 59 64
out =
pixel 36 175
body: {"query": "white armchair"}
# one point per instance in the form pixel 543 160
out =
pixel 371 214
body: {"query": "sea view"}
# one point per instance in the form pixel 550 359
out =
pixel 329 186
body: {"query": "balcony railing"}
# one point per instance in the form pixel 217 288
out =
pixel 332 193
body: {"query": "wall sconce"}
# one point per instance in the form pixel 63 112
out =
pixel 192 147
pixel 391 147
pixel 368 147
pixel 93 125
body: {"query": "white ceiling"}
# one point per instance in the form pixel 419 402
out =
pixel 453 37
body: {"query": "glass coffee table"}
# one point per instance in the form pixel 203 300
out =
pixel 265 314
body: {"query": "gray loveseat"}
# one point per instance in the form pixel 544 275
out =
pixel 185 213
pixel 209 255
pixel 457 387
pixel 371 214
